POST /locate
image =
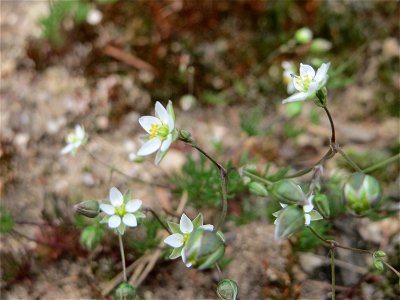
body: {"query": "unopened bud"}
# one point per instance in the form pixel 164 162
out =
pixel 288 192
pixel 125 291
pixel 361 192
pixel 320 45
pixel 89 208
pixel 227 289
pixel 289 221
pixel 321 203
pixel 185 136
pixel 258 189
pixel 204 249
pixel 379 253
pixel 303 35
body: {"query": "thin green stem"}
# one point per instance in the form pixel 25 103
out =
pixel 382 163
pixel 333 134
pixel 158 219
pixel 332 252
pixel 257 178
pixel 318 235
pixel 391 268
pixel 348 159
pixel 328 155
pixel 224 183
pixel 121 247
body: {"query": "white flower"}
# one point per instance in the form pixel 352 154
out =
pixel 161 131
pixel 309 82
pixel 288 70
pixel 122 211
pixel 181 235
pixel 74 139
pixel 308 209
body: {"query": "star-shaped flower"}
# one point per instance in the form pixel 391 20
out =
pixel 121 211
pixel 181 234
pixel 161 131
pixel 74 139
pixel 309 82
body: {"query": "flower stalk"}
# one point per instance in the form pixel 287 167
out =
pixel 121 248
pixel 224 182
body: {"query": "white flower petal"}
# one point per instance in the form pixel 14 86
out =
pixel 306 71
pixel 166 143
pixel 116 198
pixel 114 221
pixel 321 72
pixel 129 220
pixel 174 240
pixel 296 97
pixel 313 87
pixel 147 121
pixel 108 209
pixel 149 147
pixel 133 205
pixel 80 132
pixel 307 219
pixel 161 112
pixel 185 225
pixel 68 149
pixel 307 208
pixel 283 205
pixel 207 227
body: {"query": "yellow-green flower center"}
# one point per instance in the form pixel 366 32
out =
pixel 120 210
pixel 158 130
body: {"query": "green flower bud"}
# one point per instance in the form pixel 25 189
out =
pixel 303 35
pixel 361 192
pixel 204 249
pixel 125 291
pixel 185 136
pixel 379 253
pixel 258 189
pixel 321 203
pixel 320 45
pixel 289 221
pixel 227 289
pixel 89 208
pixel 378 264
pixel 288 192
pixel 321 97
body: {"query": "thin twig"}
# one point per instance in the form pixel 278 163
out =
pixel 382 163
pixel 333 134
pixel 158 219
pixel 114 169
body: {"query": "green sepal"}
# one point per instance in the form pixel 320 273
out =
pixel 170 109
pixel 120 229
pixel 315 216
pixel 174 227
pixel 105 220
pixel 289 221
pixel 198 221
pixel 139 215
pixel 159 156
pixel 221 235
pixel 127 196
pixel 176 252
